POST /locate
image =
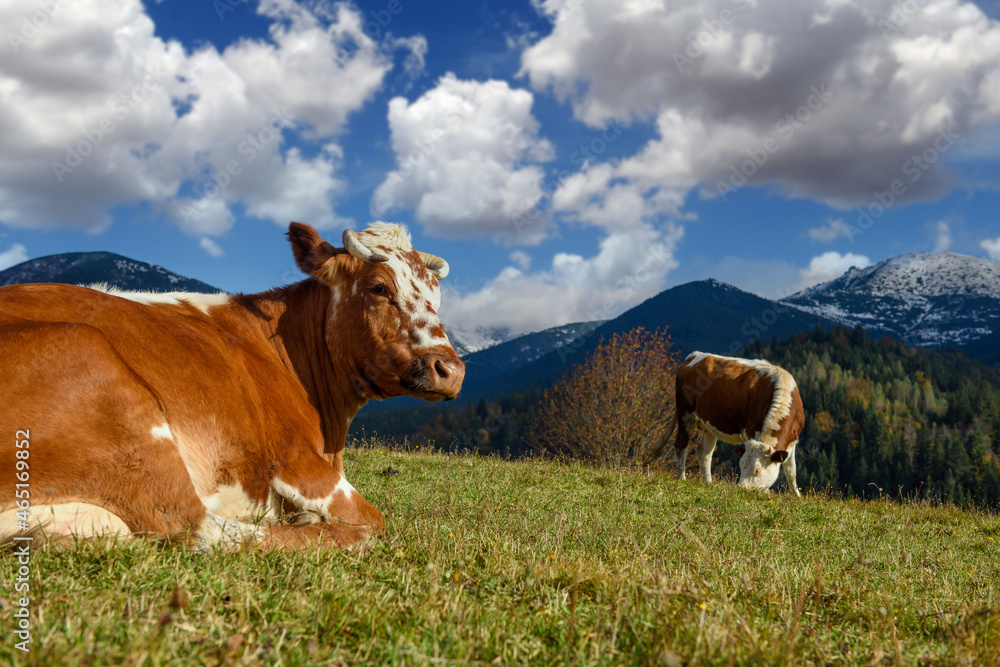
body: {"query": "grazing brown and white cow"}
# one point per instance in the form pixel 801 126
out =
pixel 208 416
pixel 746 402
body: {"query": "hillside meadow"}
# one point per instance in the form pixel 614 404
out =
pixel 488 561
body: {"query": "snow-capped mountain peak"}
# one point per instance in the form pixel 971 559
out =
pixel 919 274
pixel 925 299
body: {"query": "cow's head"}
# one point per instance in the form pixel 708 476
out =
pixel 383 322
pixel 759 465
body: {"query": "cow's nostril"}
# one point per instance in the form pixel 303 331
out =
pixel 442 369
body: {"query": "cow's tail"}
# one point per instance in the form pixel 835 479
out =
pixel 661 444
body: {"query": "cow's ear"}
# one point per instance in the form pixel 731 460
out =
pixel 779 456
pixel 310 250
pixel 740 451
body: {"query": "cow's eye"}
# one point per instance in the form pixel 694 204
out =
pixel 378 288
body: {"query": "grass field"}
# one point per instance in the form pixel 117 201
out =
pixel 493 562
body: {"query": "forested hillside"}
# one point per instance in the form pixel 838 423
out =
pixel 881 418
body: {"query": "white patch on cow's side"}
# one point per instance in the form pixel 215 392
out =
pixel 781 403
pixel 162 432
pixel 199 449
pixel 345 487
pixel 230 501
pixel 294 496
pixel 202 302
pixel 81 520
pixel 692 421
pixel 218 531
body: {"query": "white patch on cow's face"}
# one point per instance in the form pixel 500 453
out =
pixel 757 470
pixel 420 300
pixel 418 295
pixel 202 302
pixel 162 432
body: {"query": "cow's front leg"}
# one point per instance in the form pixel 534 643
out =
pixel 314 534
pixel 705 451
pixel 788 465
pixel 309 483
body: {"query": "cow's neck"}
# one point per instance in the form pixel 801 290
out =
pixel 296 318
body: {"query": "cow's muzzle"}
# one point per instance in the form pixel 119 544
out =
pixel 435 377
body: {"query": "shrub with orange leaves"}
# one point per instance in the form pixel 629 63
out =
pixel 612 408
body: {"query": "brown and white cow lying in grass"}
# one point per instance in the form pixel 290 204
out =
pixel 215 417
pixel 746 402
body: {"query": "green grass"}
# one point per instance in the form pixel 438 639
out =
pixel 487 561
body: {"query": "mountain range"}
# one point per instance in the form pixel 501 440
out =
pixel 86 268
pixel 923 300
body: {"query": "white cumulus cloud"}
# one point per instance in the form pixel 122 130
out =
pixel 97 111
pixel 13 256
pixel 992 247
pixel 627 269
pixel 468 160
pixel 813 98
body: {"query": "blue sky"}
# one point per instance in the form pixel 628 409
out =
pixel 569 158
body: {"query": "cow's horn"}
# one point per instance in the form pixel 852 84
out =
pixel 438 267
pixel 354 247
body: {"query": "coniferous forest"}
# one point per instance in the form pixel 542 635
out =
pixel 881 419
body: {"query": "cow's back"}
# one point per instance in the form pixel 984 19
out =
pixel 733 397
pixel 211 374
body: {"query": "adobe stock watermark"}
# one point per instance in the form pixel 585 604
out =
pixel 898 16
pixel 223 7
pixel 914 168
pixel 759 324
pixel 22 543
pixel 705 35
pixel 533 209
pixel 211 186
pixel 122 107
pixel 33 23
pixel 378 20
pixel 784 130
